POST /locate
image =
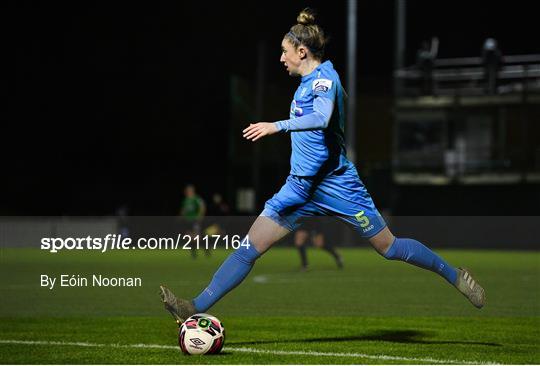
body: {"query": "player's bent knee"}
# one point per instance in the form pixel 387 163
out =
pixel 247 253
pixel 382 241
pixel 265 232
pixel 259 244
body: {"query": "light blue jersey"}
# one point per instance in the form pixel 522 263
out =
pixel 317 122
pixel 322 182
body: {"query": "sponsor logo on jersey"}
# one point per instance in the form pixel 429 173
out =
pixel 303 92
pixel 366 229
pixel 296 111
pixel 322 85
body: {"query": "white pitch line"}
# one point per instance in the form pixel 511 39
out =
pixel 250 350
pixel 85 344
pixel 356 355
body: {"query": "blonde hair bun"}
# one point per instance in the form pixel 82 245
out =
pixel 306 17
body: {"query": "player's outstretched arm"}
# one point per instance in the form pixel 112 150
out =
pixel 319 119
pixel 257 130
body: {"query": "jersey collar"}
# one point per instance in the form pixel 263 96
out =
pixel 325 64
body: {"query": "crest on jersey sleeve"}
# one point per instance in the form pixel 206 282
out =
pixel 321 85
pixel 296 111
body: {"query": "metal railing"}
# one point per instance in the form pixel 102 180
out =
pixel 470 76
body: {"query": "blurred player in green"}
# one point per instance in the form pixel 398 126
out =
pixel 193 210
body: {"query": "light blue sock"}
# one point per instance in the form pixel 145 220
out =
pixel 414 252
pixel 233 271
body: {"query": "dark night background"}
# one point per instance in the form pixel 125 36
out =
pixel 117 103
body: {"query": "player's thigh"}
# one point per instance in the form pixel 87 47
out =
pixel 265 232
pixel 285 223
pixel 382 241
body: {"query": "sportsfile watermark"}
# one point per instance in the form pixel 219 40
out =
pixel 120 242
pixel 129 233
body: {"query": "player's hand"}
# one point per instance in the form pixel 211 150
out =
pixel 257 130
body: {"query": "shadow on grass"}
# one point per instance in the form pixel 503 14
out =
pixel 394 336
pixel 201 357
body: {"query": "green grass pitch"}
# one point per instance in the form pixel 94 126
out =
pixel 373 311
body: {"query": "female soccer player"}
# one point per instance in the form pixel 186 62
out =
pixel 321 182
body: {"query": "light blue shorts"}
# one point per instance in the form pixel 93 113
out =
pixel 341 194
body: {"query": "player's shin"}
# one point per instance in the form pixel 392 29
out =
pixel 416 253
pixel 233 271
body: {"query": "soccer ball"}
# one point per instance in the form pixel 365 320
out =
pixel 201 334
